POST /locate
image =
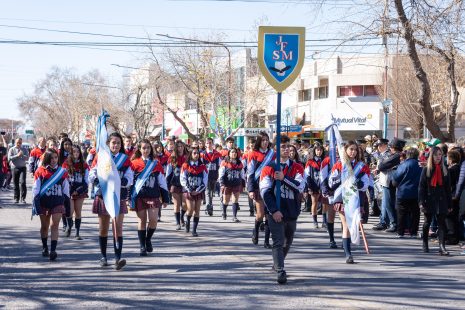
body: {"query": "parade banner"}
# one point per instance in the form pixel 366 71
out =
pixel 281 54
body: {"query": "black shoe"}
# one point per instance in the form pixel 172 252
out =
pixel 262 226
pixel 252 214
pixel 443 251
pixel 45 252
pixel 120 263
pixel 224 216
pixel 77 237
pixel 195 234
pixel 254 237
pixel 188 227
pixel 349 259
pixel 333 245
pixel 103 262
pixel 235 220
pixel 391 229
pixel 53 255
pixel 178 227
pixel 148 246
pixel 183 224
pixel 16 201
pixel 379 226
pixel 267 245
pixel 282 277
pixel 143 252
pixel 23 201
pixel 68 232
pixel 64 228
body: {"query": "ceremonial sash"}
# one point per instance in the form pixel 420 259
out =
pixel 265 163
pixel 52 181
pixel 119 160
pixel 143 177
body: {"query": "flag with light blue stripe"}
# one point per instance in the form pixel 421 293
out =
pixel 107 172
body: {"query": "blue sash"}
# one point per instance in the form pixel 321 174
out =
pixel 358 167
pixel 144 175
pixel 265 163
pixel 44 188
pixel 52 181
pixel 119 160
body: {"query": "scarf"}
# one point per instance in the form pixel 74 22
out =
pixel 436 179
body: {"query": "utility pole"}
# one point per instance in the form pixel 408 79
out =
pixel 385 43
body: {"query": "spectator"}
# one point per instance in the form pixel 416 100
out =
pixel 407 179
pixel 3 153
pixel 435 197
pixel 18 158
pixel 452 219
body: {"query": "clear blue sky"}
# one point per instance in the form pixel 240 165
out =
pixel 21 66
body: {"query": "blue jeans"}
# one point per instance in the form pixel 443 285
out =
pixel 388 211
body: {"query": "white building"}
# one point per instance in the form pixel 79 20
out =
pixel 335 90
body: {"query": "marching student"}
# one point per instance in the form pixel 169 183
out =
pixel 361 172
pixel 78 172
pixel 212 159
pixel 149 187
pixel 283 220
pixel 312 177
pixel 231 177
pixel 63 152
pixel 229 145
pixel 50 195
pixel 163 158
pixel 173 172
pixel 194 179
pixel 36 154
pixel 325 170
pixel 245 159
pixel 259 158
pixel 123 164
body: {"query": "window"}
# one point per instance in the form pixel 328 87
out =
pixel 370 90
pixel 323 92
pixel 357 91
pixel 305 95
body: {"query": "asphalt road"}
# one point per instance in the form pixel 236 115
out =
pixel 221 269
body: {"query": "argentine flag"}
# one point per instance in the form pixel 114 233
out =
pixel 108 176
pixel 347 189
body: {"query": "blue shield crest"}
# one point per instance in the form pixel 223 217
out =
pixel 281 53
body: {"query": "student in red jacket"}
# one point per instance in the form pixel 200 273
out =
pixel 78 172
pixel 148 193
pixel 283 220
pixel 231 178
pixel 50 195
pixel 194 179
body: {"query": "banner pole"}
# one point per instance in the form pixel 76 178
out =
pixel 278 151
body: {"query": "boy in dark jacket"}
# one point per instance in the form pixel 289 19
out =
pixel 282 221
pixel 407 178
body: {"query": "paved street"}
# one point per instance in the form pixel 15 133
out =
pixel 220 269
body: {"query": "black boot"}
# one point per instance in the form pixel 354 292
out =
pixel 194 228
pixel 347 251
pixel 266 243
pixel 188 223
pixel 45 252
pixel 142 237
pixel 148 240
pixel 225 207
pixel 78 228
pixel 255 232
pixel 425 240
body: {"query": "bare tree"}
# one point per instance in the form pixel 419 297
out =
pixel 204 73
pixel 64 101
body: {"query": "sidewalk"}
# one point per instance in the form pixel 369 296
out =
pixel 220 269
